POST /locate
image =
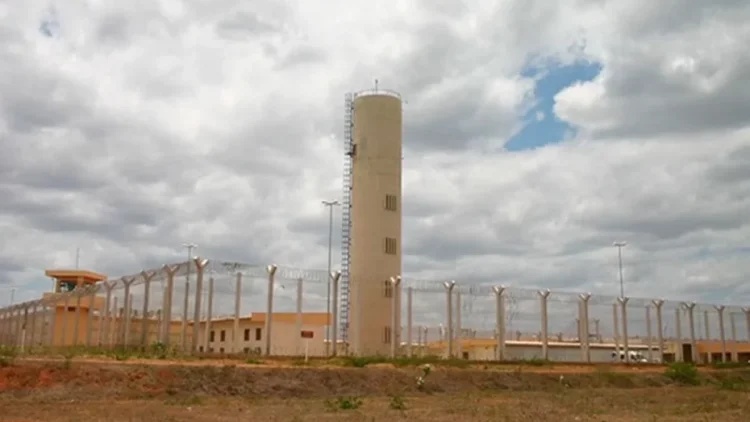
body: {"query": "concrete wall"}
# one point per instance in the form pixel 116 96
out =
pixel 376 173
pixel 286 339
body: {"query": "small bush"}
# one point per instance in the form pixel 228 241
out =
pixel 159 350
pixel 7 356
pixel 344 403
pixel 683 373
pixel 253 361
pixel 397 403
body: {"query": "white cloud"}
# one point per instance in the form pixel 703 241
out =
pixel 144 125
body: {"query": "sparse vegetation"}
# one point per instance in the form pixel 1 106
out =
pixel 683 373
pixel 225 391
pixel 7 356
pixel 344 403
pixel 397 402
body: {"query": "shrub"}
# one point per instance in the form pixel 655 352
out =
pixel 7 355
pixel 397 403
pixel 683 373
pixel 344 403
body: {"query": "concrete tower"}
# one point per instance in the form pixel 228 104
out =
pixel 374 249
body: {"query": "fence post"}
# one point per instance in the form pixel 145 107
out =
pixel 271 270
pixel 746 311
pixel 585 298
pixel 128 306
pixel 90 314
pixel 499 322
pixel 616 329
pixel 145 321
pixel 624 308
pixel 335 276
pixel 298 334
pixel 209 314
pixel 690 308
pixel 449 285
pixel 708 335
pixel 459 327
pixel 733 329
pixel 104 317
pixel 237 305
pixel 722 333
pixel 200 265
pixel 543 296
pixel 395 282
pixel 115 323
pixel 649 336
pixel 32 333
pixel 409 321
pixel 166 333
pixel 185 305
pixel 678 333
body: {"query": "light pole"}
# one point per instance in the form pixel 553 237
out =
pixel 619 246
pixel 330 205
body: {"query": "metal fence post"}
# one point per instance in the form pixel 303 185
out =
pixel 409 321
pixel 170 271
pixel 200 265
pixel 624 309
pixel 395 283
pixel 209 314
pixel 271 270
pixel 236 322
pixel 499 322
pixel 449 286
pixel 585 298
pixel 543 296
pixel 335 276
pixel 145 320
pixel 722 333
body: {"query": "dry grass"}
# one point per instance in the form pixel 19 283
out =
pixel 611 405
pixel 141 391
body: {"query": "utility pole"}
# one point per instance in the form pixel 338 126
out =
pixel 619 246
pixel 330 205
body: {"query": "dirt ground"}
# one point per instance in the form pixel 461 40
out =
pixel 87 390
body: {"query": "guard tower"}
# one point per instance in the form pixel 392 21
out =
pixel 69 324
pixel 68 280
pixel 371 219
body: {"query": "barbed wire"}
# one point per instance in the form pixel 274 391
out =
pixel 216 267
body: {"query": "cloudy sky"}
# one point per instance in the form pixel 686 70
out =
pixel 536 134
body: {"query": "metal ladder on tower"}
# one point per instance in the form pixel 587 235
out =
pixel 346 215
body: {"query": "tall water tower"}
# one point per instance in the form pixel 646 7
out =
pixel 371 219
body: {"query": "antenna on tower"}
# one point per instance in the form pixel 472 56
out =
pixel 376 85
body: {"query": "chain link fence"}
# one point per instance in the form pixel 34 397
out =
pixel 222 308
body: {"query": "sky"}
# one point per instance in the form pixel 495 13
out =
pixel 536 134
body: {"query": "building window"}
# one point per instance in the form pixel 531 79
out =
pixel 247 334
pixel 390 203
pixel 200 349
pixel 212 336
pixel 221 350
pixel 257 334
pixel 388 288
pixel 390 246
pixel 223 335
pixel 387 335
pixel 246 350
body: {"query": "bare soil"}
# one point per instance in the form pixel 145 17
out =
pixel 93 390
